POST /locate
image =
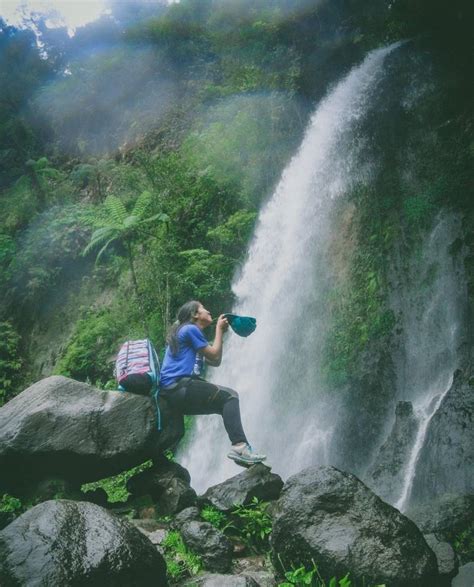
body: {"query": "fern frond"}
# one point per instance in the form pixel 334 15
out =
pixel 98 237
pixel 131 221
pixel 142 204
pixel 160 217
pixel 116 210
pixel 103 249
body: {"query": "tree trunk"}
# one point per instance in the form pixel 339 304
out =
pixel 137 290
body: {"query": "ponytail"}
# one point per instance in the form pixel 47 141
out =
pixel 184 316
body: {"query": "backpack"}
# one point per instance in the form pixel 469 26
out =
pixel 137 369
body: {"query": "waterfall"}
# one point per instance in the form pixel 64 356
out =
pixel 284 284
pixel 429 303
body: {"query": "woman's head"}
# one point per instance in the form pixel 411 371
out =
pixel 187 313
pixel 192 312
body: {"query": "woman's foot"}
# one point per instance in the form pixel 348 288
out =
pixel 243 454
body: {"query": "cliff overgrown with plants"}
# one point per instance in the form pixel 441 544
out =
pixel 135 157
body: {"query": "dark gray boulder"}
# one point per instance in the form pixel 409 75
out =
pixel 62 428
pixel 332 518
pixel 191 514
pixel 209 543
pixel 446 461
pixel 465 577
pixel 257 481
pixel 168 485
pixel 448 563
pixel 386 474
pixel 76 543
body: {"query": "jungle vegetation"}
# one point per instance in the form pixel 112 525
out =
pixel 136 154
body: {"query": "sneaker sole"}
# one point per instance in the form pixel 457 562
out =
pixel 245 462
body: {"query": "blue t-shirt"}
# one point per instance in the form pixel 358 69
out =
pixel 191 340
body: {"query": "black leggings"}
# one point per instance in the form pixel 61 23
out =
pixel 193 397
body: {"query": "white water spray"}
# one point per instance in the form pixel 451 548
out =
pixel 284 283
pixel 430 307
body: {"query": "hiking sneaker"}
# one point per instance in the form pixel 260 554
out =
pixel 245 456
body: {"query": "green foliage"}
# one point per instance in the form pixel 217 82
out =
pixel 7 251
pixel 10 361
pixel 244 142
pixel 116 486
pixel 180 562
pixel 206 276
pixel 115 223
pixel 232 236
pixel 254 524
pixel 215 517
pixel 463 544
pixel 19 205
pixel 91 350
pixel 9 504
pixel 44 250
pixel 358 305
pixel 301 576
pixel 419 210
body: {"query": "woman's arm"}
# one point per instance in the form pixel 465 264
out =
pixel 213 352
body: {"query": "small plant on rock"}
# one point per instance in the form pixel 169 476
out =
pixel 300 576
pixel 254 523
pixel 215 517
pixel 180 563
pixel 9 504
pixel 463 544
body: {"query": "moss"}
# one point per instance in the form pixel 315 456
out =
pixel 116 486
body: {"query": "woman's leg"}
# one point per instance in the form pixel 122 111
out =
pixel 198 397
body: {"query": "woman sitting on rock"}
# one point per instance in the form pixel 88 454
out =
pixel 187 392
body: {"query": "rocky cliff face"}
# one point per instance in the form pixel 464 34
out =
pixel 386 474
pixel 446 463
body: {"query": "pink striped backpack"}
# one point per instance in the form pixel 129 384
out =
pixel 137 369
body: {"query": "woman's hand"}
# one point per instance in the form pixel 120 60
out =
pixel 222 323
pixel 213 353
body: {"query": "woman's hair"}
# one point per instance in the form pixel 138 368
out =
pixel 184 316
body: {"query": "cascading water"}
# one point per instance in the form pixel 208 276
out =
pixel 430 308
pixel 284 283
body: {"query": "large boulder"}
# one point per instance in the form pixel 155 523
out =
pixel 333 519
pixel 209 543
pixel 168 485
pixel 446 461
pixel 76 543
pixel 62 428
pixel 257 481
pixel 386 474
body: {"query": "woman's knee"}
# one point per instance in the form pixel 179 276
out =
pixel 231 393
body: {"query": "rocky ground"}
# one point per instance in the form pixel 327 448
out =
pixel 251 530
